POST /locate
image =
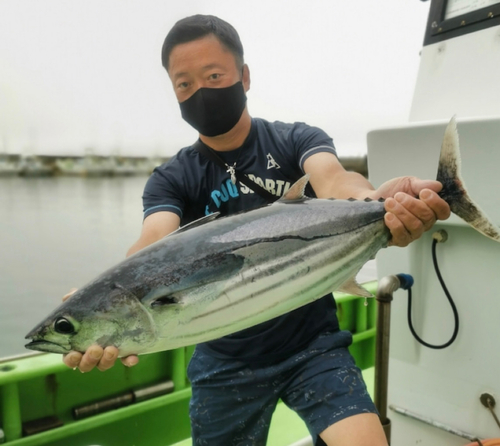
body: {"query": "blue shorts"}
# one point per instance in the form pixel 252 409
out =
pixel 233 402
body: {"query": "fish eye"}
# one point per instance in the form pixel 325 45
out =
pixel 63 326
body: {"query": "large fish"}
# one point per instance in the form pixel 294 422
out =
pixel 217 276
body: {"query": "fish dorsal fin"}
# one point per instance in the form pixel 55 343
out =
pixel 354 288
pixel 199 222
pixel 296 192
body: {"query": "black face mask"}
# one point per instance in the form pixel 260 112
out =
pixel 214 111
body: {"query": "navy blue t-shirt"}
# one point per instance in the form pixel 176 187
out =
pixel 191 186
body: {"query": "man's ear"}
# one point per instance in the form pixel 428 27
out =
pixel 245 79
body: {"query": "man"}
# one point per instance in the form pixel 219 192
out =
pixel 300 357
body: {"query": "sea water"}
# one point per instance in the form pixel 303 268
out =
pixel 57 233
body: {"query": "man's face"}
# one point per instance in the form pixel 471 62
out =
pixel 203 63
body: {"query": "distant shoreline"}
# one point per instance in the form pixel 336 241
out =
pixel 84 166
pixel 108 166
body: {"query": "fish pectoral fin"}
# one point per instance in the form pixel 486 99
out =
pixel 296 192
pixel 354 288
pixel 160 296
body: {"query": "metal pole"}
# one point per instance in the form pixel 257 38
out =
pixel 385 290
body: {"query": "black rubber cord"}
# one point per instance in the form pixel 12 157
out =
pixel 453 307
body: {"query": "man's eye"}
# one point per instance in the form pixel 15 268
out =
pixel 214 76
pixel 183 85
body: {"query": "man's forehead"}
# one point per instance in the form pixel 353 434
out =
pixel 206 52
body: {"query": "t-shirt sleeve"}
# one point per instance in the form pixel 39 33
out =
pixel 309 140
pixel 163 191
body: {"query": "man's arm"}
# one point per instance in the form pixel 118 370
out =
pixel 155 227
pixel 407 217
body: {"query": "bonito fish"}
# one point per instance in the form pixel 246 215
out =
pixel 217 276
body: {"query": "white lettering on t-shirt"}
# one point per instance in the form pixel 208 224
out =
pixel 276 187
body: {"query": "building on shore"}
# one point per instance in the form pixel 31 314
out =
pixel 92 165
pixel 87 166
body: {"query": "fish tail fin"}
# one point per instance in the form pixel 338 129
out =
pixel 454 191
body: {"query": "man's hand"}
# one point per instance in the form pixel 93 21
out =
pixel 409 217
pixel 95 356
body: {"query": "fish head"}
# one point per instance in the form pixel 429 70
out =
pixel 112 316
pixel 54 335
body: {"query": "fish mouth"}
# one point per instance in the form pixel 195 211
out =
pixel 47 346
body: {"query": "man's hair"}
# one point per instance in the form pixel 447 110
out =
pixel 198 26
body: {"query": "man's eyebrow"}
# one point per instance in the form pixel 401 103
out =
pixel 178 75
pixel 205 68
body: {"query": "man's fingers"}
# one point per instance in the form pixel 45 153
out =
pixel 440 208
pixel 72 359
pixel 418 185
pixel 91 358
pixel 98 357
pixel 109 356
pixel 419 216
pixel 413 214
pixel 408 217
pixel 400 236
pixel 70 293
pixel 130 361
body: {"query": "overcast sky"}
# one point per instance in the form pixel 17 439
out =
pixel 87 74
